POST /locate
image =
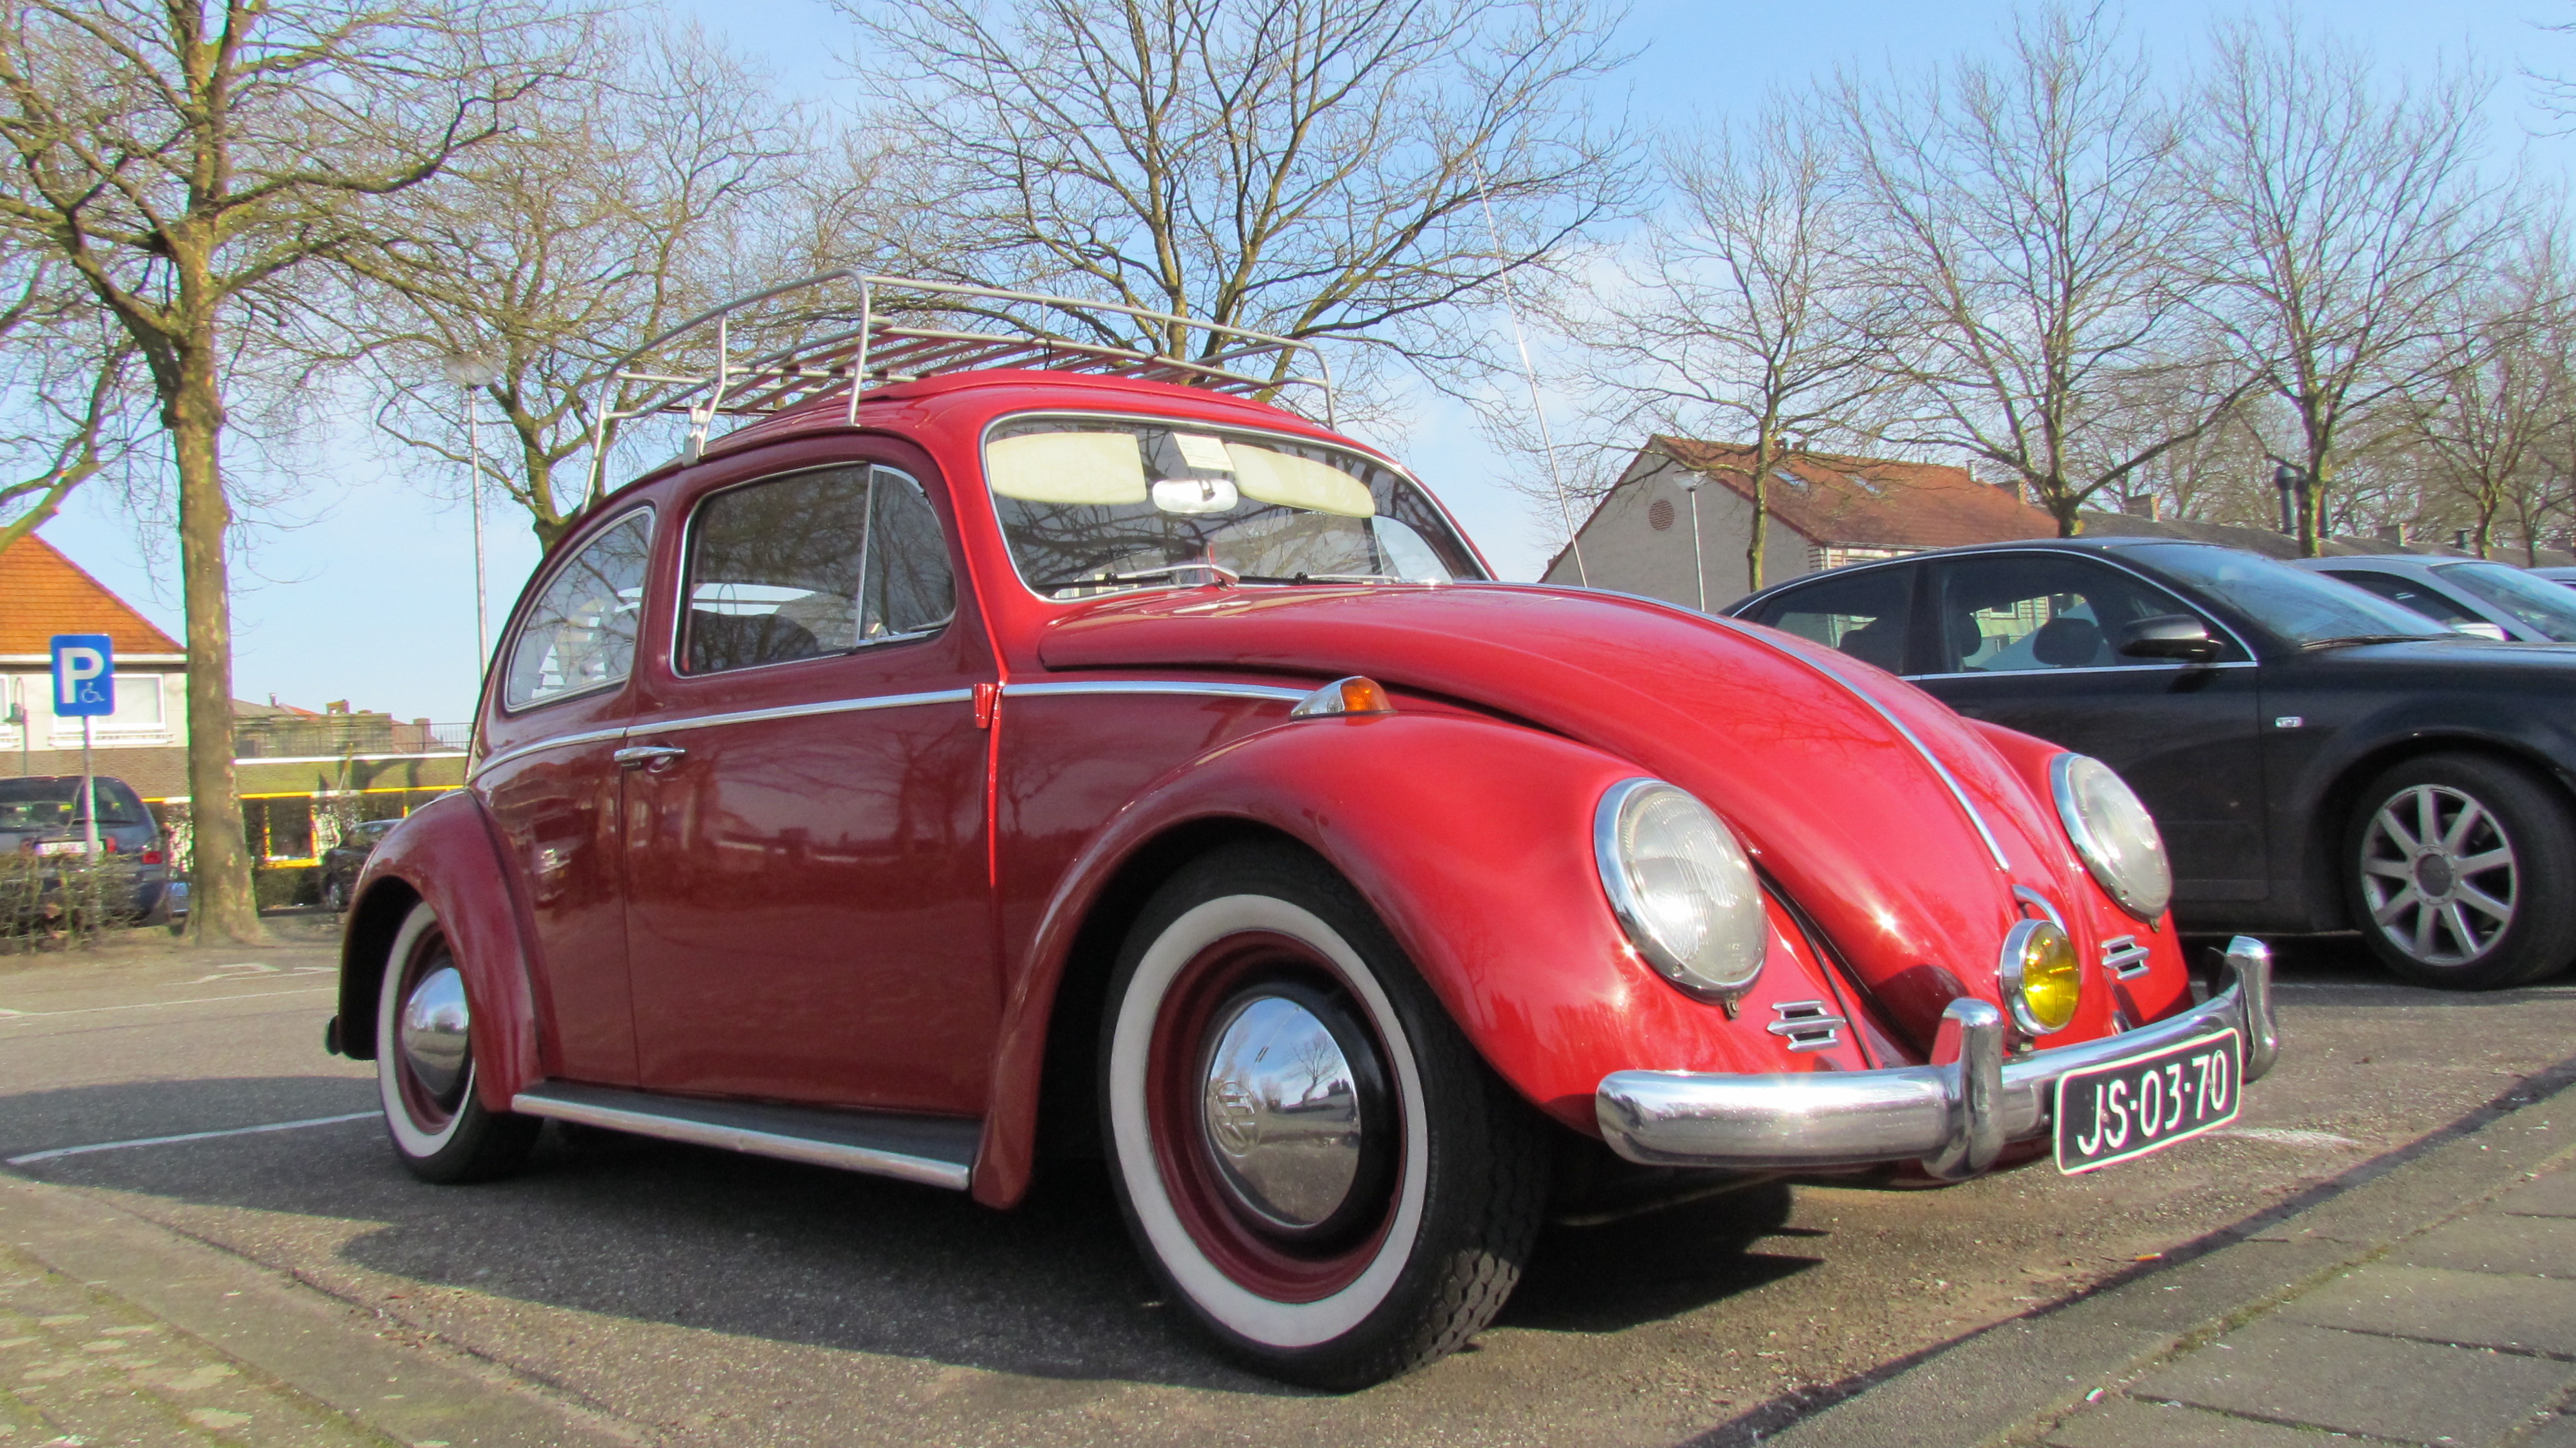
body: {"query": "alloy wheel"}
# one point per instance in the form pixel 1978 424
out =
pixel 2438 875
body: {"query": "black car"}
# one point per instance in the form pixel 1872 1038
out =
pixel 2318 758
pixel 341 862
pixel 40 816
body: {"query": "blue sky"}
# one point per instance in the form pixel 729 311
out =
pixel 368 596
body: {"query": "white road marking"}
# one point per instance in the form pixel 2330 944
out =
pixel 150 1005
pixel 188 1136
pixel 2289 1136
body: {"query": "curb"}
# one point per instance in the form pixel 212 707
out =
pixel 2012 1382
pixel 382 1376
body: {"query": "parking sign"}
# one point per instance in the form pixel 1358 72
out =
pixel 84 675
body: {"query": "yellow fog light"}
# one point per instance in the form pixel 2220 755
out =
pixel 2041 976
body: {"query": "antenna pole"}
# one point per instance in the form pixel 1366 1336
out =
pixel 1538 411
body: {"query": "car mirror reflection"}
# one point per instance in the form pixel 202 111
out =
pixel 2169 636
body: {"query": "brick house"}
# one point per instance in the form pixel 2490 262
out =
pixel 1680 517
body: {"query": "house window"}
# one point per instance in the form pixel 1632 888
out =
pixel 138 703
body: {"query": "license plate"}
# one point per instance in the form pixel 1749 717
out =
pixel 59 847
pixel 2112 1113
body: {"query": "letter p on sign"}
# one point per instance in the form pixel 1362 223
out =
pixel 84 675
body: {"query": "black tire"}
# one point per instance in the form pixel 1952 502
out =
pixel 2483 898
pixel 335 895
pixel 440 1131
pixel 1446 1167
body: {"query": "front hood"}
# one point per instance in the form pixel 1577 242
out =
pixel 1889 843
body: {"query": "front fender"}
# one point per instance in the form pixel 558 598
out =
pixel 444 853
pixel 1472 840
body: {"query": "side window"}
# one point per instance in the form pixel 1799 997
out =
pixel 811 564
pixel 2016 612
pixel 581 633
pixel 2410 593
pixel 1864 615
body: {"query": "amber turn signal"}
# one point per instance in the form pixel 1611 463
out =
pixel 2042 978
pixel 1354 695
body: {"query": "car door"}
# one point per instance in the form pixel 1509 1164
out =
pixel 2029 640
pixel 808 905
pixel 550 785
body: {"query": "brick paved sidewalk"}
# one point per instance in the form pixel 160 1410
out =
pixel 2462 1334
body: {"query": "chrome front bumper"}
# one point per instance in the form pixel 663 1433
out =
pixel 1954 1118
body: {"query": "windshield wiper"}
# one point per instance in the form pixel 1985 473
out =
pixel 2336 643
pixel 1321 578
pixel 1220 574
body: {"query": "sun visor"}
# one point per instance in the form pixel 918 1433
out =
pixel 1289 481
pixel 1100 469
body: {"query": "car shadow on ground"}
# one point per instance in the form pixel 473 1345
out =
pixel 653 1231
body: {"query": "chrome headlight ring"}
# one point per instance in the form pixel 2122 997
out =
pixel 2113 833
pixel 1682 887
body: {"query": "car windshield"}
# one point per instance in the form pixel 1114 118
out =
pixel 2548 609
pixel 1093 506
pixel 53 803
pixel 2304 608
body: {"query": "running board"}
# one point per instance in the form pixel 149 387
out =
pixel 936 1151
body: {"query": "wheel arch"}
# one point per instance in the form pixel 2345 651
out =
pixel 1470 839
pixel 444 855
pixel 2329 894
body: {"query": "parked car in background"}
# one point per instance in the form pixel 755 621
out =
pixel 41 816
pixel 340 863
pixel 1049 754
pixel 2565 577
pixel 2316 757
pixel 2472 595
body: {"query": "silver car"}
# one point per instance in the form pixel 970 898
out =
pixel 2472 595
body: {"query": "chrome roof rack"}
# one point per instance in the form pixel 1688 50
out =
pixel 823 352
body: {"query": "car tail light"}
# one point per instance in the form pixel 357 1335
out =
pixel 152 857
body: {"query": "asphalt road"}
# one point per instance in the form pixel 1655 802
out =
pixel 713 1299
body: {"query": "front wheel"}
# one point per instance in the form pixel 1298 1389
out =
pixel 2464 873
pixel 1310 1154
pixel 425 1065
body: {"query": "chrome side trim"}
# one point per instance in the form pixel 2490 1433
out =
pixel 797 711
pixel 1807 1025
pixel 1156 686
pixel 643 1114
pixel 560 741
pixel 1953 1116
pixel 2088 669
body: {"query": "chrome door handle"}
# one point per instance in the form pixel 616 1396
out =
pixel 649 755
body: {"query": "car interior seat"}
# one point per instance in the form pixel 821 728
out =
pixel 2069 643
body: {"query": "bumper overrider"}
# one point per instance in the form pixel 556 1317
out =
pixel 1954 1118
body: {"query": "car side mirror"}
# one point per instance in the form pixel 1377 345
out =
pixel 2169 636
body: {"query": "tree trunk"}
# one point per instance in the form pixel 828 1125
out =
pixel 222 902
pixel 1760 537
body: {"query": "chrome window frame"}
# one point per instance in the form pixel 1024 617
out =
pixel 984 439
pixel 2108 557
pixel 689 539
pixel 651 514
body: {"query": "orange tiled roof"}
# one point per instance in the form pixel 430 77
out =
pixel 1867 503
pixel 42 593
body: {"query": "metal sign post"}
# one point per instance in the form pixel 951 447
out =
pixel 84 688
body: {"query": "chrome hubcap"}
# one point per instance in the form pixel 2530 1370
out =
pixel 1281 1113
pixel 432 1028
pixel 2438 875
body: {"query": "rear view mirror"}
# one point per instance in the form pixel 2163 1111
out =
pixel 1192 497
pixel 2169 636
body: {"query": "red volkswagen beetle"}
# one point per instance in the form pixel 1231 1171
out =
pixel 1083 753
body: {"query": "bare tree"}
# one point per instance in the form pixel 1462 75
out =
pixel 636 194
pixel 1739 313
pixel 1319 169
pixel 186 159
pixel 69 380
pixel 2483 424
pixel 2027 211
pixel 2344 224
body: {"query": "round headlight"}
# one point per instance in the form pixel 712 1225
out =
pixel 1681 886
pixel 2042 979
pixel 2114 833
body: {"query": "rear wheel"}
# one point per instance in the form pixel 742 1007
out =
pixel 335 895
pixel 1307 1150
pixel 425 1065
pixel 2463 870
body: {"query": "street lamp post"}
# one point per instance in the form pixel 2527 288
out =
pixel 468 371
pixel 1699 563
